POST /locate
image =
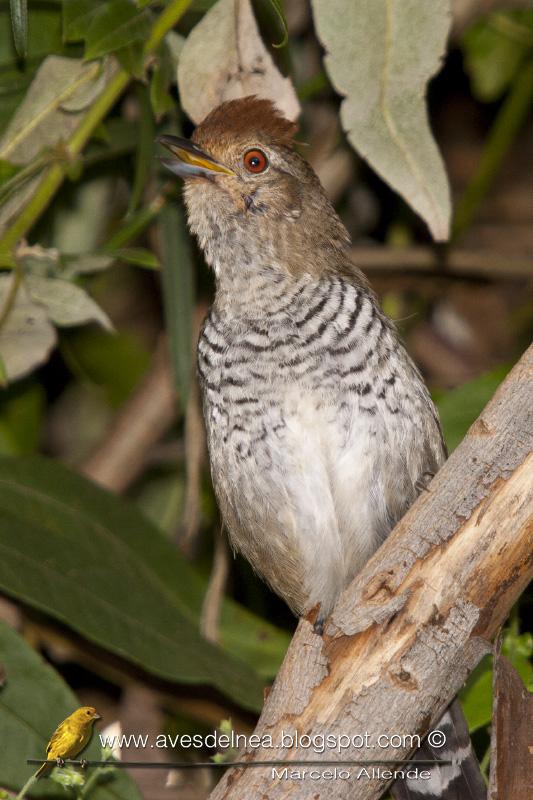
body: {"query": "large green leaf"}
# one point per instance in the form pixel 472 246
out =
pixel 380 55
pixel 33 700
pixel 93 562
pixel 459 408
pixel 105 26
pixel 93 355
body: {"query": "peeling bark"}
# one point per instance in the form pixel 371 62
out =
pixel 413 624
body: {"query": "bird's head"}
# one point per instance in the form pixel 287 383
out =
pixel 86 715
pixel 248 192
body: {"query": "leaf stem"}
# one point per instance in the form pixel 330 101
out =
pixel 165 22
pixel 504 130
pixel 54 175
pixel 27 786
pixel 11 297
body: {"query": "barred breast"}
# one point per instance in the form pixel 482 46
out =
pixel 319 427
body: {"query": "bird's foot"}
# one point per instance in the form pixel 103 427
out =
pixel 84 763
pixel 60 762
pixel 315 618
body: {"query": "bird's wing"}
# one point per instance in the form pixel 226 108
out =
pixel 55 740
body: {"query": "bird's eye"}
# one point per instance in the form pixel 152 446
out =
pixel 255 161
pixel 88 713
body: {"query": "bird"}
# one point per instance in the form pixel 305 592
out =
pixel 69 738
pixel 320 428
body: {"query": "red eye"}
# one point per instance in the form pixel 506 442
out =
pixel 255 161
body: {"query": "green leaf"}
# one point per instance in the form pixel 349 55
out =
pixel 92 561
pixel 178 295
pixel 380 57
pixel 163 74
pixel 78 16
pixel 277 5
pixel 93 356
pixel 476 697
pixel 44 37
pixel 518 647
pixel 114 25
pixel 33 701
pixel 460 407
pixel 19 23
pixel 132 58
pixel 21 414
pixel 7 171
pixel 494 50
pixel 136 255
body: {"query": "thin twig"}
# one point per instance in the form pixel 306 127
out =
pixel 120 456
pixel 212 605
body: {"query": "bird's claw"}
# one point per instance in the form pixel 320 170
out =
pixel 84 763
pixel 318 626
pixel 60 762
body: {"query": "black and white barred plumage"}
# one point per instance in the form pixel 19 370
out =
pixel 319 427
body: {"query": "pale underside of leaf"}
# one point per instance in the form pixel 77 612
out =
pixel 26 337
pixel 66 303
pixel 380 57
pixel 50 113
pixel 38 122
pixel 224 58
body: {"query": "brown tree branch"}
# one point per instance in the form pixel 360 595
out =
pixel 457 262
pixel 419 617
pixel 511 773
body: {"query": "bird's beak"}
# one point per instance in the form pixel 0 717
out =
pixel 189 161
pixel 96 715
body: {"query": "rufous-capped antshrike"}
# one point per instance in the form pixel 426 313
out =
pixel 319 426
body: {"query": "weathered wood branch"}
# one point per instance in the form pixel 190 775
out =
pixel 431 263
pixel 419 617
pixel 511 768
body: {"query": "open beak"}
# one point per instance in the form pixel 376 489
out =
pixel 189 161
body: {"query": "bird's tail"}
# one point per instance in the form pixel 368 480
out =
pixel 460 780
pixel 44 770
